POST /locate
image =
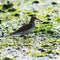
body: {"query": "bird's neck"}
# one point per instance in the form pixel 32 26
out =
pixel 32 21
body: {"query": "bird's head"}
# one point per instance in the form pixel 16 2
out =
pixel 33 18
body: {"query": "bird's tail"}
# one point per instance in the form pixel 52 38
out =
pixel 12 34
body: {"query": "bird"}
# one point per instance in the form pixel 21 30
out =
pixel 26 28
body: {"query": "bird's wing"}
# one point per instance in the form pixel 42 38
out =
pixel 23 28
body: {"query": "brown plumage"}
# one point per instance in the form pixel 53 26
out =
pixel 27 28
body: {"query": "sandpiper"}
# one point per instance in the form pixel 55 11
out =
pixel 27 28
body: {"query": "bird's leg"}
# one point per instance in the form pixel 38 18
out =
pixel 23 36
pixel 25 39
